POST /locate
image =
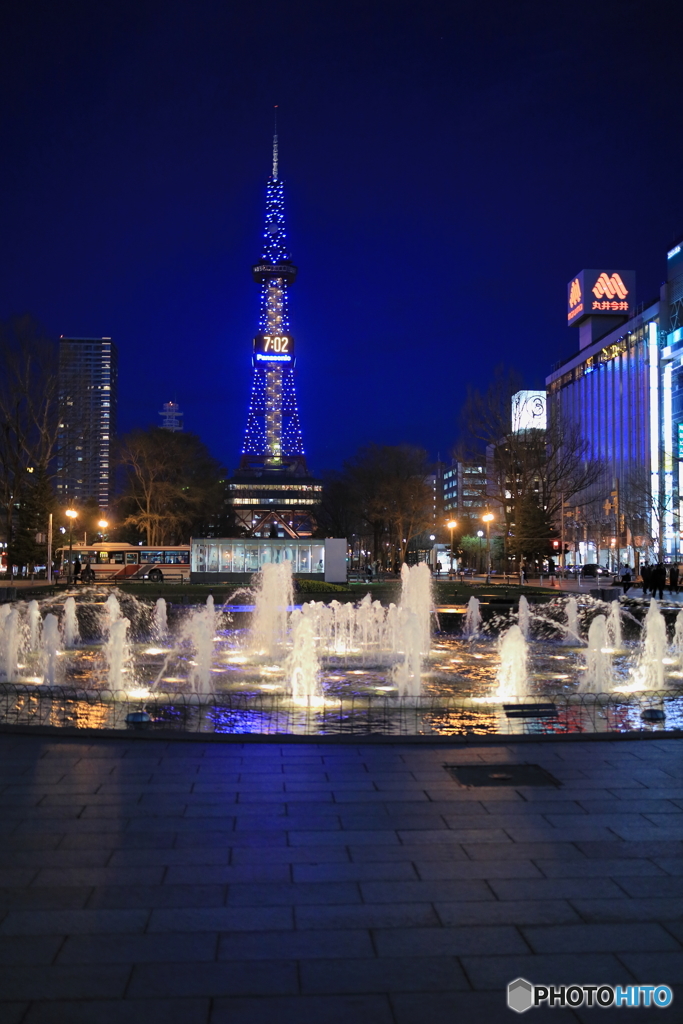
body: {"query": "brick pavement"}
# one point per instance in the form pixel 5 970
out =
pixel 208 883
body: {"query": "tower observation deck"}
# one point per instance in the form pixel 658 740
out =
pixel 272 491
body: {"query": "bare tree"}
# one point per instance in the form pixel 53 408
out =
pixel 29 420
pixel 171 482
pixel 547 467
pixel 382 493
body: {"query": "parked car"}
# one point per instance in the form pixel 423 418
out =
pixel 594 571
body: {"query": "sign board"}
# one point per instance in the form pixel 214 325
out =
pixel 600 293
pixel 274 348
pixel 528 411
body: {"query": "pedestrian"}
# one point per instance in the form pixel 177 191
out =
pixel 77 570
pixel 658 578
pixel 673 578
pixel 438 569
pixel 626 579
pixel 646 573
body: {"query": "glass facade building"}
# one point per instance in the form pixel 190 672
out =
pixel 88 388
pixel 615 390
pixel 248 556
pixel 232 559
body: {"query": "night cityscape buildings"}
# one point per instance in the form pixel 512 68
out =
pixel 619 388
pixel 272 492
pixel 88 396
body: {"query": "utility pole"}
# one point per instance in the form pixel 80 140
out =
pixel 49 549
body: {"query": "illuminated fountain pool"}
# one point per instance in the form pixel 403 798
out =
pixel 270 666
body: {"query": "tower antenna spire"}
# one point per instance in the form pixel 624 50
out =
pixel 275 153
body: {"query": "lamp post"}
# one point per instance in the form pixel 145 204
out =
pixel 451 526
pixel 480 534
pixel 71 514
pixel 103 524
pixel 488 519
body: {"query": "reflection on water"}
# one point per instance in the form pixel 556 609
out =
pixel 359 690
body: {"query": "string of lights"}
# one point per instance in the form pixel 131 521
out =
pixel 273 430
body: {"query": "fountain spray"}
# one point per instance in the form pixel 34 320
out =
pixel 34 623
pixel 302 666
pixel 70 624
pixel 274 595
pixel 50 648
pixel 472 618
pixel 512 671
pixel 598 675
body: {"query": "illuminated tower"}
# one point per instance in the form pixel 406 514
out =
pixel 272 492
pixel 273 439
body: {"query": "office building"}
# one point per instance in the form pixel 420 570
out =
pixel 88 379
pixel 617 388
pixel 464 489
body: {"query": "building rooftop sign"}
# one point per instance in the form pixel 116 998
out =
pixel 528 411
pixel 600 293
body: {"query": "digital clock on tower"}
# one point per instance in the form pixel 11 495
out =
pixel 273 348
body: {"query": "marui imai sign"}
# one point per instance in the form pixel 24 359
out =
pixel 600 293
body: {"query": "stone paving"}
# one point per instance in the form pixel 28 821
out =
pixel 223 883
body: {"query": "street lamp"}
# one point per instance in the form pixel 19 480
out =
pixel 103 524
pixel 488 519
pixel 71 514
pixel 451 526
pixel 480 534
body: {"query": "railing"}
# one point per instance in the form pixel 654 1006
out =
pixel 272 714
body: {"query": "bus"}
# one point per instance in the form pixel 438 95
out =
pixel 116 563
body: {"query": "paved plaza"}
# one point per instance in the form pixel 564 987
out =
pixel 172 882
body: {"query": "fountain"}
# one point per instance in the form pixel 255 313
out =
pixel 112 612
pixel 201 628
pixel 70 624
pixel 34 623
pixel 416 596
pixel 614 626
pixel 512 671
pixel 50 648
pixel 302 666
pixel 598 675
pixel 9 643
pixel 274 596
pixel 345 653
pixel 472 618
pixel 573 633
pixel 649 672
pixel 118 654
pixel 407 674
pixel 524 617
pixel 160 619
pixel 678 637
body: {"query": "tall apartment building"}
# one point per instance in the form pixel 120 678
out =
pixel 88 379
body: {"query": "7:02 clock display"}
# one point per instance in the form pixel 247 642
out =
pixel 274 348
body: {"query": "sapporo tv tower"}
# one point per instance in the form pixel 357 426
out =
pixel 272 492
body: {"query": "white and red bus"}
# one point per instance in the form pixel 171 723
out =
pixel 115 563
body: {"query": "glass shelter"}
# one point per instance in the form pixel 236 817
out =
pixel 247 555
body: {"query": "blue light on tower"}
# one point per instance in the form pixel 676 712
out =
pixel 273 434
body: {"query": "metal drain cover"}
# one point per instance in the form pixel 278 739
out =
pixel 501 775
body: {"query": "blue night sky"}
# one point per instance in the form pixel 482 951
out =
pixel 449 166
